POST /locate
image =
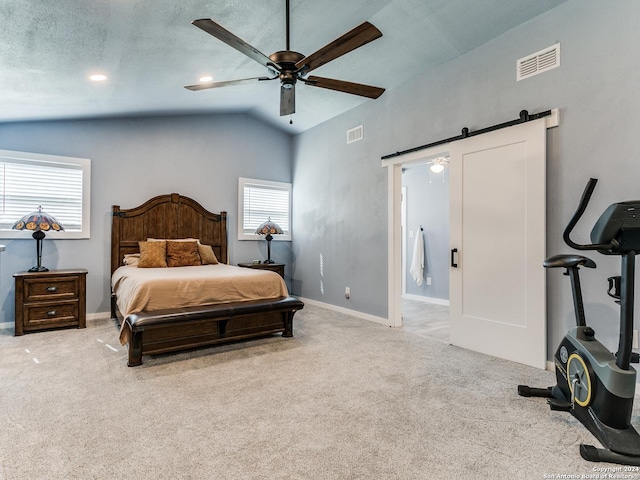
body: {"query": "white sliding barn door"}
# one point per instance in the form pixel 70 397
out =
pixel 497 290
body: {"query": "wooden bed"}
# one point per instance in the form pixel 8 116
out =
pixel 175 216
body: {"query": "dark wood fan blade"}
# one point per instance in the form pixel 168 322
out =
pixel 230 39
pixel 287 100
pixel 346 87
pixel 204 86
pixel 351 40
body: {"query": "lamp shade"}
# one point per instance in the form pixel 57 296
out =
pixel 269 227
pixel 38 221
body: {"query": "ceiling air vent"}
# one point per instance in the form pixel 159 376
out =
pixel 355 134
pixel 539 62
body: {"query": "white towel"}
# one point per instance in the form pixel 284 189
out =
pixel 417 264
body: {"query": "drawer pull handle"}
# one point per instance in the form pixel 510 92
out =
pixel 52 313
pixel 52 289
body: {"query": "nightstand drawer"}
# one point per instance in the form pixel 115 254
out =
pixel 54 314
pixel 42 289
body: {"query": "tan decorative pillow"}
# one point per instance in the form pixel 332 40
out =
pixel 182 254
pixel 152 254
pixel 207 255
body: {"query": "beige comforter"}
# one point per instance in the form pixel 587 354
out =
pixel 149 289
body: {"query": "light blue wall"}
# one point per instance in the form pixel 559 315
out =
pixel 340 191
pixel 427 204
pixel 134 160
pixel 340 201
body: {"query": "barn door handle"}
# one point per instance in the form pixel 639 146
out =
pixel 453 255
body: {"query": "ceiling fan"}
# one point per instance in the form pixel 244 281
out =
pixel 438 164
pixel 290 66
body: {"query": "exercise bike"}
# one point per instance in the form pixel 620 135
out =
pixel 593 384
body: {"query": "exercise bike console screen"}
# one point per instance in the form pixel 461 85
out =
pixel 619 224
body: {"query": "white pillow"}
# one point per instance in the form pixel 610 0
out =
pixel 131 259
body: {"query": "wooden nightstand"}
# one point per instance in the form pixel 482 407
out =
pixel 52 299
pixel 274 267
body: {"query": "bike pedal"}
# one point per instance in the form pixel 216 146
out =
pixel 559 405
pixel 526 391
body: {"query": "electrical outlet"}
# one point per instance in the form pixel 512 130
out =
pixel 347 293
pixel 635 339
pixel 428 280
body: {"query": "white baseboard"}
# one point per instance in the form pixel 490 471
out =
pixel 98 316
pixel 420 298
pixel 346 311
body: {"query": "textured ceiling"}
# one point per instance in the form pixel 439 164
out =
pixel 150 50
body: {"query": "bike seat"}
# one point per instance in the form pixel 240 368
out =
pixel 568 260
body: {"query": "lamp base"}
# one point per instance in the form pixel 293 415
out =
pixel 38 269
pixel 38 235
pixel 268 238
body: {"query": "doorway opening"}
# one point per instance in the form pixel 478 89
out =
pixel 397 232
pixel 425 247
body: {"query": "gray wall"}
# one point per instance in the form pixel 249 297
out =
pixel 340 201
pixel 134 160
pixel 427 204
pixel 340 191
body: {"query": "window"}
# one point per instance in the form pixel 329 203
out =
pixel 257 201
pixel 59 184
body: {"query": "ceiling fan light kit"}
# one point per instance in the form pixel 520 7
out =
pixel 289 66
pixel 438 164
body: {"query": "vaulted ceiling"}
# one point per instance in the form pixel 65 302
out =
pixel 149 50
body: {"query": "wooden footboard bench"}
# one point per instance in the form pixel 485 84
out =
pixel 171 330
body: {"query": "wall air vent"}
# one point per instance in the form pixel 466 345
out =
pixel 355 134
pixel 539 62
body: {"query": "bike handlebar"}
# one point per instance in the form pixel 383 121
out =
pixel 582 206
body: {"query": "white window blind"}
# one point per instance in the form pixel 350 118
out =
pixel 260 200
pixel 58 184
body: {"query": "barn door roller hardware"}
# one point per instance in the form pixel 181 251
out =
pixel 466 133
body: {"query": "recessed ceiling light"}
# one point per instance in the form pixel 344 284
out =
pixel 98 77
pixel 205 79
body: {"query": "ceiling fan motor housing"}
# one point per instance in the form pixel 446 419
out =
pixel 286 56
pixel 286 60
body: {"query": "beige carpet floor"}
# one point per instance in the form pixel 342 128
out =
pixel 343 399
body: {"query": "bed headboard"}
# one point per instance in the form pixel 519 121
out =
pixel 166 216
